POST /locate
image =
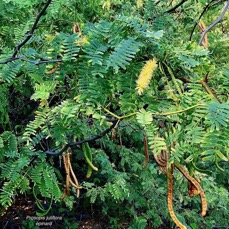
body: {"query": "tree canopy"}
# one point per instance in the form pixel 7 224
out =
pixel 119 106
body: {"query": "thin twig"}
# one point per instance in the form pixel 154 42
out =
pixel 214 23
pixel 209 90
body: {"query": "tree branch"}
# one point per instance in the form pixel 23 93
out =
pixel 28 36
pixel 175 7
pixel 35 62
pixel 214 23
pixel 98 136
pixel 208 89
pixel 11 59
pixel 204 10
pixel 38 62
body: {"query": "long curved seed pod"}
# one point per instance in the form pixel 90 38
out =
pixel 76 187
pixel 170 199
pixel 69 171
pixel 192 190
pixel 198 187
pixel 146 151
pixel 89 171
pixel 53 70
pixel 162 160
pixel 76 184
pixel 74 176
pixel 200 170
pixel 202 27
pixel 39 205
pixel 66 165
pixel 90 163
pixel 87 153
pixel 163 169
pixel 217 166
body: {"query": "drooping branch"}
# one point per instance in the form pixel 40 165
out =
pixel 214 23
pixel 28 36
pixel 96 137
pixel 204 10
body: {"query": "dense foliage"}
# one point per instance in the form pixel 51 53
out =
pixel 99 85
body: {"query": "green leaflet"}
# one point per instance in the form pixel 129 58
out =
pixel 218 115
pixel 144 117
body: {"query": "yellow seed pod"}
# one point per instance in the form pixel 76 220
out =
pixel 202 27
pixel 146 75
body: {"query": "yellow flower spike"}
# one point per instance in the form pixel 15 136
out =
pixel 146 75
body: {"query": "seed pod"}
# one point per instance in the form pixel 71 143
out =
pixel 88 155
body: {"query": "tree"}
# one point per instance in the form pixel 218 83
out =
pixel 118 87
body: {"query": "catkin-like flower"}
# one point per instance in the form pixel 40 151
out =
pixel 146 75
